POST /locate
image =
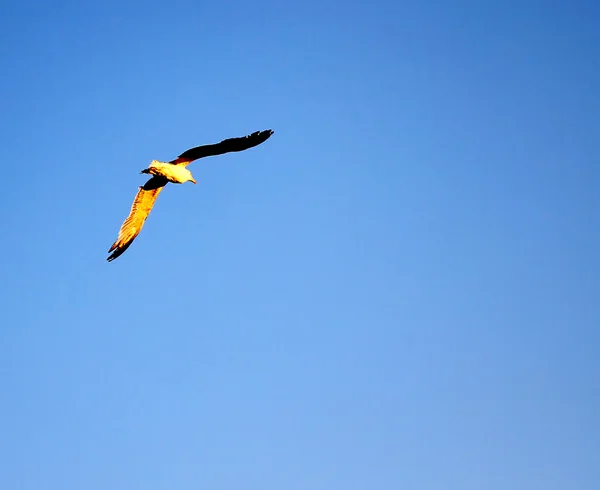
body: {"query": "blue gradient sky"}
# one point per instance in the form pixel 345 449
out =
pixel 399 290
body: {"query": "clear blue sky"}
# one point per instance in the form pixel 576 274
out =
pixel 399 290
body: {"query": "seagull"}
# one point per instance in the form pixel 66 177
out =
pixel 174 171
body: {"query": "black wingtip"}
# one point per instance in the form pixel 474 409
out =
pixel 116 253
pixel 261 136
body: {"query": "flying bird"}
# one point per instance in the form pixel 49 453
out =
pixel 174 171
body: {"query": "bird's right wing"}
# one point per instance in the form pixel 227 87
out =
pixel 142 205
pixel 225 146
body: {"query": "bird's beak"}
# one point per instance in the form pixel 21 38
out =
pixel 193 181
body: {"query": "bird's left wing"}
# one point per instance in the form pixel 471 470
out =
pixel 225 146
pixel 142 205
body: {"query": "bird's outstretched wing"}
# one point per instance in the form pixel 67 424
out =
pixel 142 205
pixel 225 146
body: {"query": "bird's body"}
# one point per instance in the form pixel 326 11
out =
pixel 177 174
pixel 174 171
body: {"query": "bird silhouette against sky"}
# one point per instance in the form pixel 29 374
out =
pixel 174 171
